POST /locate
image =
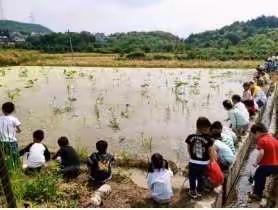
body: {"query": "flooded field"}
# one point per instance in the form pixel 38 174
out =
pixel 138 111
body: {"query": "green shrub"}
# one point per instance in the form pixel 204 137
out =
pixel 136 55
pixel 181 57
pixel 42 188
pixel 162 57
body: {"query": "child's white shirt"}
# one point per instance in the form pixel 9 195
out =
pixel 8 126
pixel 36 156
pixel 159 183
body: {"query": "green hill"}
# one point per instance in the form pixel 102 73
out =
pixel 15 26
pixel 233 34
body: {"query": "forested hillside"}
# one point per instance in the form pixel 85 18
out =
pixel 14 26
pixel 254 39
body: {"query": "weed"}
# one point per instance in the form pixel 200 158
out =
pixel 65 109
pixel 125 114
pixel 23 73
pixel 30 83
pixel 146 142
pixel 13 94
pixel 2 72
pixel 70 74
pixel 43 188
pixel 114 124
pixel 38 189
pixel 83 153
pixel 97 112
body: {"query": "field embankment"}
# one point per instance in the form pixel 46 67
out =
pixel 35 58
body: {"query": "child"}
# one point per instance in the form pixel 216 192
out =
pixel 70 163
pixel 236 99
pixel 267 159
pixel 99 164
pixel 9 126
pixel 239 121
pixel 226 137
pixel 200 150
pixel 247 95
pixel 38 153
pixel 226 156
pixel 159 180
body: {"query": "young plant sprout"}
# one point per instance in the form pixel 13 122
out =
pixel 125 114
pixel 146 142
pixel 114 124
pixel 23 73
pixel 70 74
pixel 30 83
pixel 13 94
pixel 2 72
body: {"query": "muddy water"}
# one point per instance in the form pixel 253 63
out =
pixel 135 110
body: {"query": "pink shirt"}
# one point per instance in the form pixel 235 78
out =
pixel 247 95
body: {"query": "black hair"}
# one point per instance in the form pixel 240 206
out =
pixel 246 84
pixel 63 141
pixel 236 98
pixel 102 146
pixel 202 123
pixel 259 127
pixel 157 162
pixel 216 125
pixel 38 135
pixel 227 104
pixel 8 108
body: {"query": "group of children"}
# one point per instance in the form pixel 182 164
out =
pixel 211 150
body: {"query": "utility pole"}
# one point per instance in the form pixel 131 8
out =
pixel 70 42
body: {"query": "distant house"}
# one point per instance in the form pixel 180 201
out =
pixel 4 37
pixel 17 37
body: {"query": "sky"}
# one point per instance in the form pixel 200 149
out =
pixel 180 17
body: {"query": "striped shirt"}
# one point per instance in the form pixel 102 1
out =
pixel 229 141
pixel 8 126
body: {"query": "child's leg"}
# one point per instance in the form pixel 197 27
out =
pixel 202 171
pixel 192 174
pixel 260 179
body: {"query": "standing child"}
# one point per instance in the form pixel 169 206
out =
pixel 159 180
pixel 38 153
pixel 200 148
pixel 70 162
pixel 99 164
pixel 9 126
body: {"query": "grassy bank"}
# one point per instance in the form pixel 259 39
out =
pixel 34 58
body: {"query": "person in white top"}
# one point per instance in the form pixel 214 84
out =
pixel 9 126
pixel 38 153
pixel 239 121
pixel 240 106
pixel 159 180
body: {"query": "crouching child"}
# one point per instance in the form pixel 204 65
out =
pixel 70 162
pixel 159 180
pixel 37 153
pixel 99 164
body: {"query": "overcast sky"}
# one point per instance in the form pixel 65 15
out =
pixel 180 17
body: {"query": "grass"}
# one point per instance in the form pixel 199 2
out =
pixel 34 58
pixel 37 189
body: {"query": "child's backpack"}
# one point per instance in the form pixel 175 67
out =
pixel 215 174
